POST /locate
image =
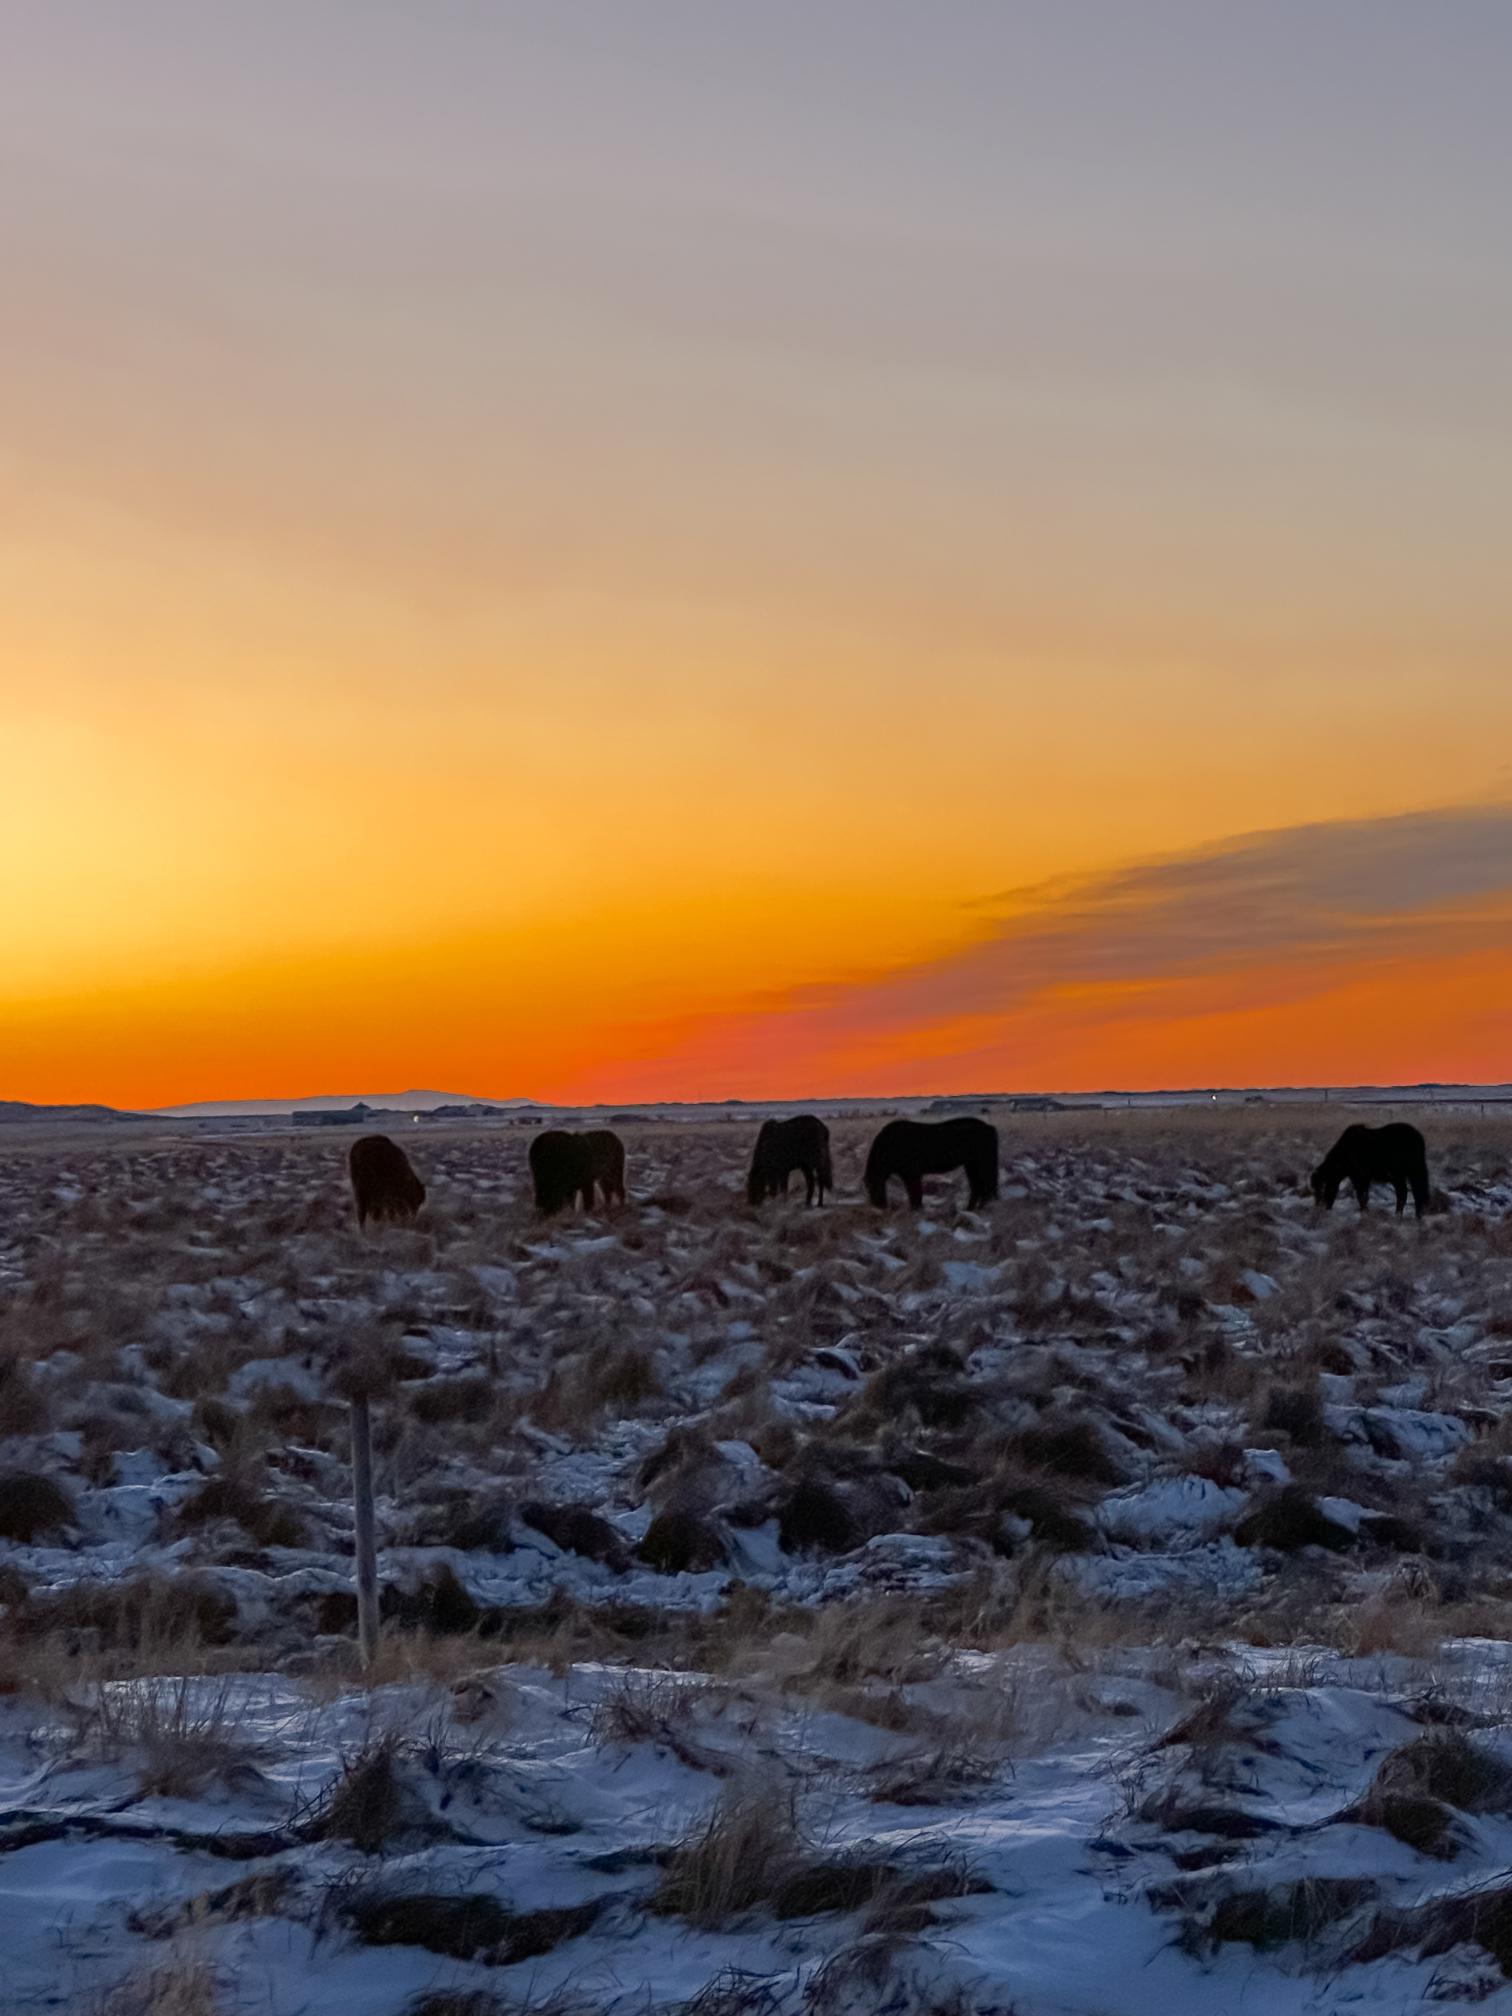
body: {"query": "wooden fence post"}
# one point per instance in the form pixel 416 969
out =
pixel 366 1540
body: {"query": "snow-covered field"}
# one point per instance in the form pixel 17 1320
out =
pixel 1093 1605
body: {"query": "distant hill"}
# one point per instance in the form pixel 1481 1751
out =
pixel 327 1102
pixel 16 1110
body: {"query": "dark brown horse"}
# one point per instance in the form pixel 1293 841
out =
pixel 1396 1154
pixel 383 1181
pixel 802 1143
pixel 565 1165
pixel 914 1149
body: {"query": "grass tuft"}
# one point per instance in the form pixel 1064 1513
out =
pixel 33 1507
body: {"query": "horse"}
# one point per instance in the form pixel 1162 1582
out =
pixel 565 1165
pixel 802 1143
pixel 914 1149
pixel 384 1183
pixel 1394 1154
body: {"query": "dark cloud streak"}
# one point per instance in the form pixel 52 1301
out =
pixel 1419 883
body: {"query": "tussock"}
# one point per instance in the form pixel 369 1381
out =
pixel 906 1431
pixel 180 1733
pixel 735 1860
pixel 1415 1793
pixel 477 1927
pixel 33 1507
pixel 264 1519
pixel 179 1988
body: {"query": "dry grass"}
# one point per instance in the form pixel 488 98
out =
pixel 33 1507
pixel 1482 1917
pixel 474 1927
pixel 151 1623
pixel 662 1709
pixel 1137 1237
pixel 482 2002
pixel 178 1987
pixel 750 1855
pixel 266 1520
pixel 179 1733
pixel 736 1859
pixel 1284 1914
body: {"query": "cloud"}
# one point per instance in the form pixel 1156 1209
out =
pixel 1350 889
pixel 1259 923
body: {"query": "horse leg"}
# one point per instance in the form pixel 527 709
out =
pixel 1399 1184
pixel 1362 1191
pixel 914 1185
pixel 808 1188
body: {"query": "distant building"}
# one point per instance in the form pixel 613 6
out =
pixel 1036 1102
pixel 343 1116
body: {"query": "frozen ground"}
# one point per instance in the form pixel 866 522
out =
pixel 1094 1605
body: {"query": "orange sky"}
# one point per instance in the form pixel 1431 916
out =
pixel 511 583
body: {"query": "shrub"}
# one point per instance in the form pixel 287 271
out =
pixel 746 1848
pixel 1482 1917
pixel 148 1614
pixel 466 1399
pixel 1297 1412
pixel 183 1732
pixel 1267 1918
pixel 1071 1449
pixel 32 1506
pixel 216 1421
pixel 181 1988
pixel 266 1520
pixel 931 1384
pixel 623 1378
pixel 576 1530
pixel 679 1542
pixel 474 1927
pixel 1445 1767
pixel 24 1408
pixel 814 1518
pixel 440 1605
pixel 478 1526
pixel 1290 1520
pixel 365 1806
pixel 459 2002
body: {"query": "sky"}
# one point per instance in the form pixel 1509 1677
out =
pixel 686 550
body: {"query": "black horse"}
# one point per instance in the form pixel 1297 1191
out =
pixel 914 1149
pixel 1395 1154
pixel 564 1166
pixel 384 1183
pixel 802 1143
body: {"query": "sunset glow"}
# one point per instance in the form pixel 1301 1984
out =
pixel 704 551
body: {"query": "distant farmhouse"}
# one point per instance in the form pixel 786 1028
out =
pixel 345 1116
pixel 476 1109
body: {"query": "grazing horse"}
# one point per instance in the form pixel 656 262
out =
pixel 1395 1154
pixel 914 1149
pixel 565 1165
pixel 383 1181
pixel 782 1146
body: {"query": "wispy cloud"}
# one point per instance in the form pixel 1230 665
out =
pixel 1336 891
pixel 1260 921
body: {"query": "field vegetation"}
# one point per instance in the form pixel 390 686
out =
pixel 784 1610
